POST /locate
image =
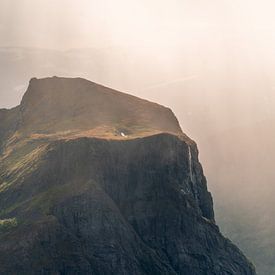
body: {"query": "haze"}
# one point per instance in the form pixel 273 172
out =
pixel 218 45
pixel 212 62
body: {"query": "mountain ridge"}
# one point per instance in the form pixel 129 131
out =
pixel 94 201
pixel 48 107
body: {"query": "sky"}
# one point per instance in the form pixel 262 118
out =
pixel 161 45
pixel 217 55
pixel 67 24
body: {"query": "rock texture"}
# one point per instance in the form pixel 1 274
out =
pixel 93 181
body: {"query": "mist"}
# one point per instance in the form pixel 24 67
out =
pixel 212 62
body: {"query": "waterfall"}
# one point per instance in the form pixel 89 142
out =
pixel 190 163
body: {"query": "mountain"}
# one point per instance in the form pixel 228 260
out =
pixel 94 181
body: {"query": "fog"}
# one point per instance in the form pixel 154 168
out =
pixel 212 62
pixel 216 51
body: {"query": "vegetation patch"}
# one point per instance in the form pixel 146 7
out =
pixel 7 224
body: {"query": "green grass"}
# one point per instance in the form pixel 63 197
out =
pixel 20 162
pixel 7 224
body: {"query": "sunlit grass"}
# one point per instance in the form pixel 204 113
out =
pixel 7 224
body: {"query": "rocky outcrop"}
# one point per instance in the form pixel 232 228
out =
pixel 118 205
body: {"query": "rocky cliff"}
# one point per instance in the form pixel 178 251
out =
pixel 94 181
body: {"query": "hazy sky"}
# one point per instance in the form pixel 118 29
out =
pixel 233 40
pixel 214 53
pixel 63 24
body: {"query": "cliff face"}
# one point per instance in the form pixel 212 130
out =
pixel 103 197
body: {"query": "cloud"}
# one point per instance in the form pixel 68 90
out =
pixel 170 82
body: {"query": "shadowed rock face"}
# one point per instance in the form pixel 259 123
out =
pixel 80 198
